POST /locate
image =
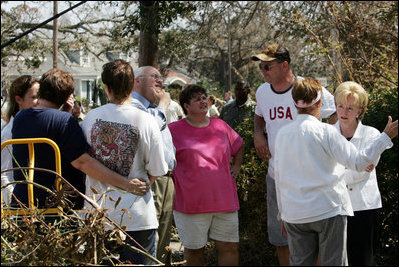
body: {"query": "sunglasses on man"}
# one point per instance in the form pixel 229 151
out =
pixel 266 67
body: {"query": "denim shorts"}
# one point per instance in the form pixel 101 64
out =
pixel 194 229
pixel 273 224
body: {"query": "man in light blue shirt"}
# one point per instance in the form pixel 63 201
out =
pixel 148 95
pixel 142 103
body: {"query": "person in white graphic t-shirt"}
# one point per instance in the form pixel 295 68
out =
pixel 128 141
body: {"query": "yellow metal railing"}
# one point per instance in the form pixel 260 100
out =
pixel 30 142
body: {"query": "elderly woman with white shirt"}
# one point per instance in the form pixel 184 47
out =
pixel 351 102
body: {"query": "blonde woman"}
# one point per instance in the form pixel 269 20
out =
pixel 351 102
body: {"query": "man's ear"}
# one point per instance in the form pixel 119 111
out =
pixel 136 83
pixel 286 64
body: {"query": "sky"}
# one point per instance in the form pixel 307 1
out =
pixel 46 9
pixel 46 12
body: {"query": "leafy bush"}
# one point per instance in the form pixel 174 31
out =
pixel 384 102
pixel 254 246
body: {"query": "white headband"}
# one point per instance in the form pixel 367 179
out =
pixel 302 104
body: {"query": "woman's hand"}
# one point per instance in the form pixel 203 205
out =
pixel 391 129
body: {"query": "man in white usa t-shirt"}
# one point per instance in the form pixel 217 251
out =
pixel 275 108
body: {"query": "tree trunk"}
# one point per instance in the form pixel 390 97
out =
pixel 148 55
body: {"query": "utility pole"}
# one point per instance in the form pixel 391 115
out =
pixel 55 36
pixel 229 52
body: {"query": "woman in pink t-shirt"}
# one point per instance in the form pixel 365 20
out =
pixel 206 201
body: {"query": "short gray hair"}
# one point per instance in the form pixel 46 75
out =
pixel 140 71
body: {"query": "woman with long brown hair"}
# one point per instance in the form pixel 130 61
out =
pixel 23 94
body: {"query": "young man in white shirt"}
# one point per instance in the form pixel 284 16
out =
pixel 127 140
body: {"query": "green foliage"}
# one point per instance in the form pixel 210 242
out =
pixel 174 46
pixel 85 103
pixel 174 90
pixel 33 62
pixel 254 246
pixel 31 48
pixel 358 40
pixel 167 12
pixel 384 102
pixel 350 40
pixel 212 87
pixel 101 92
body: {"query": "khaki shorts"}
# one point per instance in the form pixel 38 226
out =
pixel 273 224
pixel 194 229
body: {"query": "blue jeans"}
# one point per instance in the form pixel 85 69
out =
pixel 146 239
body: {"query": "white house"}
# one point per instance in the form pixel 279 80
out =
pixel 85 68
